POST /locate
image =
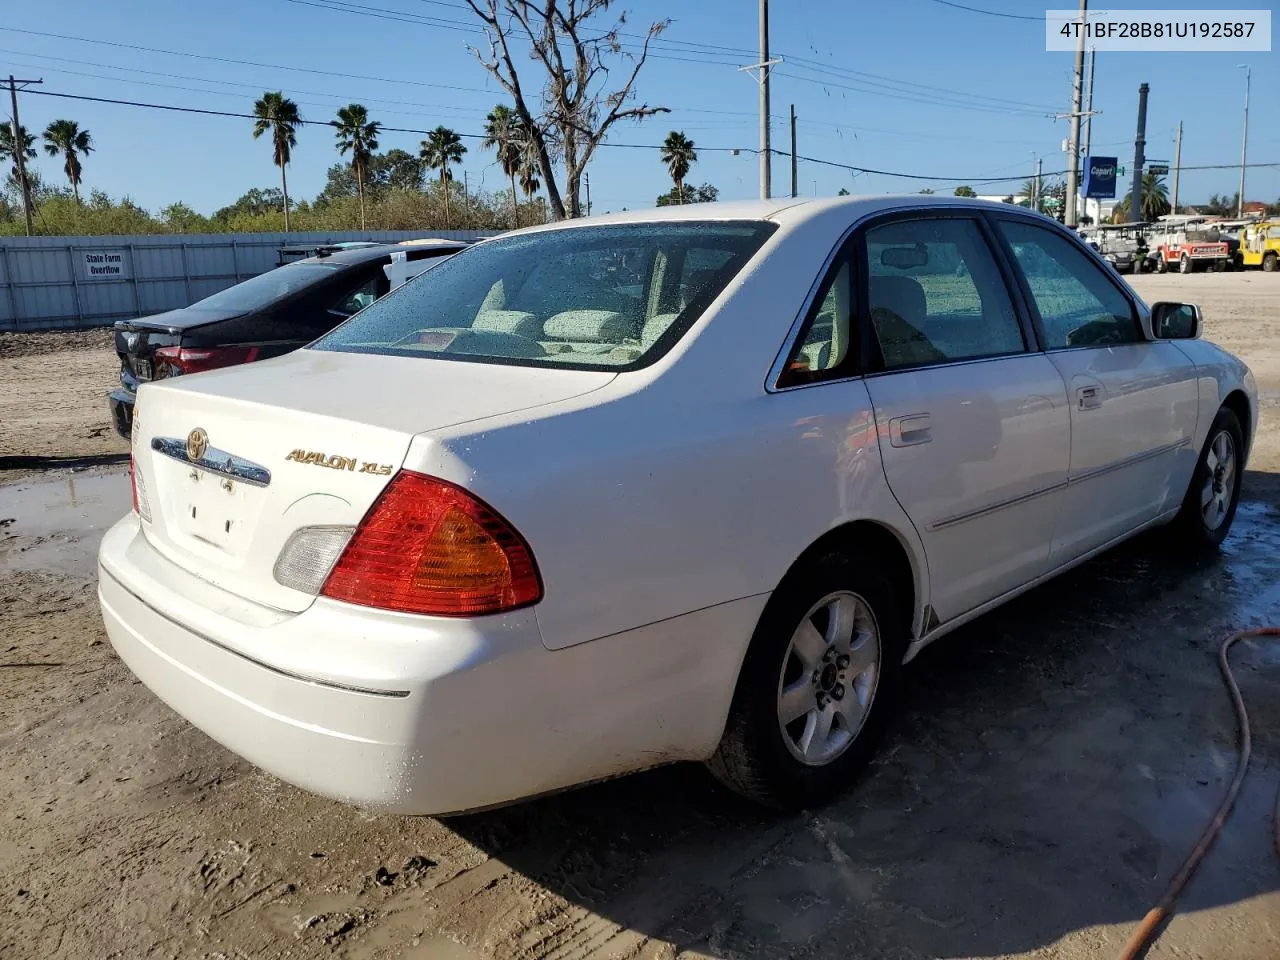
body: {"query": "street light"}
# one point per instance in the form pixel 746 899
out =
pixel 1244 143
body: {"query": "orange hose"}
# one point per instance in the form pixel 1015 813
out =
pixel 1149 928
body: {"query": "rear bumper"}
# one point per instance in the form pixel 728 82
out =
pixel 120 402
pixel 412 714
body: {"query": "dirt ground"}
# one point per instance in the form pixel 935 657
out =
pixel 1053 764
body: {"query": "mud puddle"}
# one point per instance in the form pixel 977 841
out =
pixel 54 525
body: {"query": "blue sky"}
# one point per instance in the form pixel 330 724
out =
pixel 894 62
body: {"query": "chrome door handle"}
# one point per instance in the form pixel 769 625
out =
pixel 910 431
pixel 1088 398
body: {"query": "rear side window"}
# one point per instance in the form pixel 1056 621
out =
pixel 267 288
pixel 936 294
pixel 578 297
pixel 1079 306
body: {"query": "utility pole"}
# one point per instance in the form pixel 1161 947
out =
pixel 1035 200
pixel 586 179
pixel 1139 157
pixel 1177 163
pixel 1088 110
pixel 766 165
pixel 1244 143
pixel 19 161
pixel 1073 143
pixel 794 186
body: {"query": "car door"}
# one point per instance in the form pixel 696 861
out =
pixel 1133 401
pixel 972 418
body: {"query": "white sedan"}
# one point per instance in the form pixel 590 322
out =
pixel 683 484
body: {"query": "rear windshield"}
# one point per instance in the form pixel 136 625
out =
pixel 266 287
pixel 604 297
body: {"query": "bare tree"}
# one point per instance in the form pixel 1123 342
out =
pixel 578 103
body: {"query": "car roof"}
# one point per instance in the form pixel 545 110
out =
pixel 787 210
pixel 357 255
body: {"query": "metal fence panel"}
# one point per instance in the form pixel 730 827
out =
pixel 76 282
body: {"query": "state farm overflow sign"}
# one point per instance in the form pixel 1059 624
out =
pixel 104 265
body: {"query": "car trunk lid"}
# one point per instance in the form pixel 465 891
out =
pixel 137 340
pixel 308 439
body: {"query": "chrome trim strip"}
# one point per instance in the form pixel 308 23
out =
pixel 1069 482
pixel 1128 461
pixel 960 620
pixel 984 511
pixel 218 462
pixel 302 678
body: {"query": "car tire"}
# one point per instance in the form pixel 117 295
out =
pixel 1271 263
pixel 846 609
pixel 1185 265
pixel 1162 265
pixel 1209 506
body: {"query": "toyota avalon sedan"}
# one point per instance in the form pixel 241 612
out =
pixel 683 484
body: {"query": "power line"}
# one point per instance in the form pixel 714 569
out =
pixel 399 16
pixel 338 99
pixel 924 93
pixel 958 103
pixel 989 13
pixel 627 146
pixel 248 63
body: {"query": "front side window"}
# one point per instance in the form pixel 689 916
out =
pixel 936 294
pixel 579 297
pixel 1079 306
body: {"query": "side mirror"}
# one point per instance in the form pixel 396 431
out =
pixel 1175 321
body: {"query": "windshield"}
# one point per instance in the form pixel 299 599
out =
pixel 265 288
pixel 604 297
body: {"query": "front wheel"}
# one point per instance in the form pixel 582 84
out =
pixel 818 683
pixel 1209 506
pixel 1184 264
pixel 1271 263
pixel 1162 265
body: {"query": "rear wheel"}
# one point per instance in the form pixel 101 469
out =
pixel 1209 506
pixel 1184 264
pixel 1271 263
pixel 817 685
pixel 1162 265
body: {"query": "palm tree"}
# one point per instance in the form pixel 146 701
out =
pixel 502 134
pixel 66 138
pixel 1032 190
pixel 678 154
pixel 441 148
pixel 1155 197
pixel 530 161
pixel 278 114
pixel 358 134
pixel 7 151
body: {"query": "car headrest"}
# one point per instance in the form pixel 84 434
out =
pixel 587 326
pixel 900 295
pixel 508 321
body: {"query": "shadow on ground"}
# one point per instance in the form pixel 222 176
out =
pixel 1054 763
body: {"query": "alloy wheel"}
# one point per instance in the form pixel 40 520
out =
pixel 829 677
pixel 1220 483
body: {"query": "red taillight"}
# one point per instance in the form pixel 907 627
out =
pixel 194 359
pixel 429 547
